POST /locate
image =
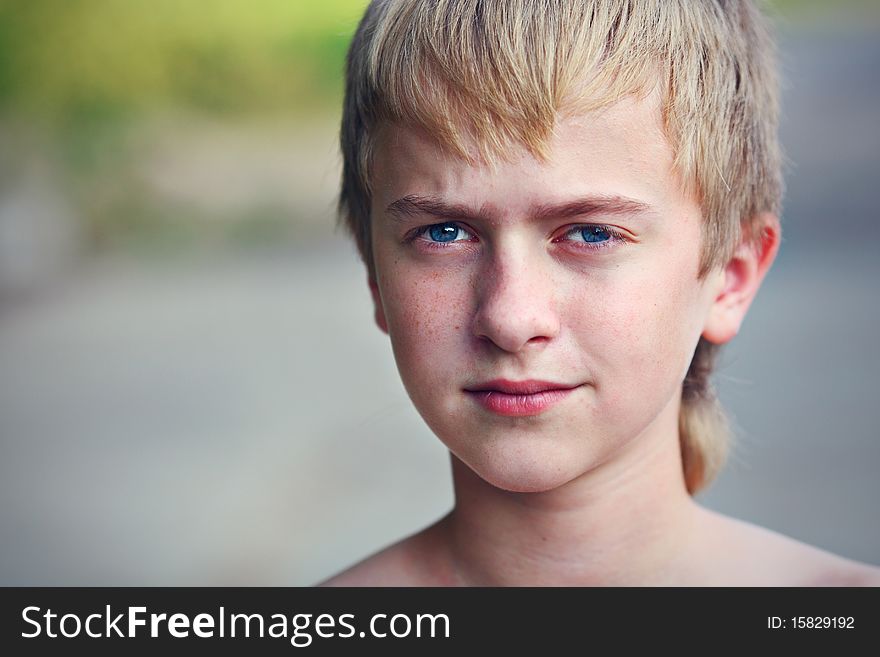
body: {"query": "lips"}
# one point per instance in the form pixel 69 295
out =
pixel 519 398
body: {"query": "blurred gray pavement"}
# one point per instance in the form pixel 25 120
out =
pixel 239 420
pixel 205 422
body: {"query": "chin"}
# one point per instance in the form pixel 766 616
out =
pixel 524 475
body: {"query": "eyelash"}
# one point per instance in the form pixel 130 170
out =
pixel 614 236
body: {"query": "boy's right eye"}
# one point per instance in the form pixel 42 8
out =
pixel 445 233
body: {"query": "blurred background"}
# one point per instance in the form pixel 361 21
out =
pixel 191 387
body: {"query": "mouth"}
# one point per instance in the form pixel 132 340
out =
pixel 519 398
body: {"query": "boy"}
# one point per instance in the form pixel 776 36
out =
pixel 564 208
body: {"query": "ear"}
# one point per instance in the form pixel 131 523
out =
pixel 378 309
pixel 742 277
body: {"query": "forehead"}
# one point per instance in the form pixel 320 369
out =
pixel 619 150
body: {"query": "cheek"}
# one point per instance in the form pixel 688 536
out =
pixel 643 338
pixel 427 318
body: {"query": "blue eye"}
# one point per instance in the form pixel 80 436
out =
pixel 594 234
pixel 448 232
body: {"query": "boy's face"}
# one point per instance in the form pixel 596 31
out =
pixel 542 315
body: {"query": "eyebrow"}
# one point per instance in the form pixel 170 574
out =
pixel 417 206
pixel 592 205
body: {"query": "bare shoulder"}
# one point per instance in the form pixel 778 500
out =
pixel 393 566
pixel 755 556
pixel 413 561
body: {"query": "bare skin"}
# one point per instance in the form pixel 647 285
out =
pixel 715 551
pixel 764 558
pixel 590 491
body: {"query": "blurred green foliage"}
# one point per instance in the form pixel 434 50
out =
pixel 79 80
pixel 64 59
pixel 70 59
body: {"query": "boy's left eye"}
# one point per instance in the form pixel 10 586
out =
pixel 593 237
pixel 591 234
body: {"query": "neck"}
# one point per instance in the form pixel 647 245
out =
pixel 629 521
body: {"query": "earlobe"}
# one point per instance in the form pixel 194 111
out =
pixel 742 277
pixel 378 308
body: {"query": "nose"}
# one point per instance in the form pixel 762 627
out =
pixel 516 303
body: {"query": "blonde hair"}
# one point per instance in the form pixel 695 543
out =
pixel 498 73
